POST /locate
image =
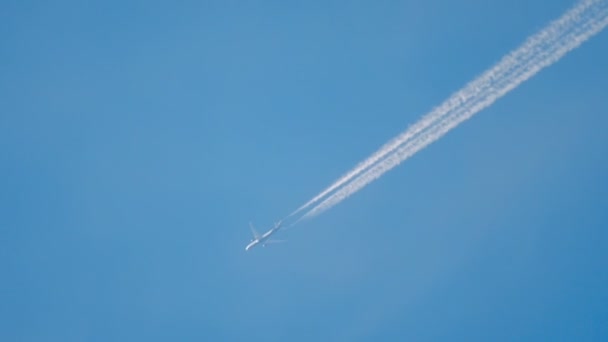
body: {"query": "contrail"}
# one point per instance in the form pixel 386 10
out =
pixel 470 93
pixel 539 51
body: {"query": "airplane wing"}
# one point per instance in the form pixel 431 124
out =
pixel 255 234
pixel 274 241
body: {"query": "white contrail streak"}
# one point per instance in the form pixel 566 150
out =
pixel 539 51
pixel 471 93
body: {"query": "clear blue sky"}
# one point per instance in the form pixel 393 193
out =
pixel 138 138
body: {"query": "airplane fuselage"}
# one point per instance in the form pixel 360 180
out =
pixel 262 238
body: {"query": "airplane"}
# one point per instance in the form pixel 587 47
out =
pixel 264 238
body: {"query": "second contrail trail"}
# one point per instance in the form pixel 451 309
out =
pixel 539 51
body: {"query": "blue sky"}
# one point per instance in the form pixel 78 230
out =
pixel 138 139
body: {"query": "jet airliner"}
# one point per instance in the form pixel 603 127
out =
pixel 264 238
